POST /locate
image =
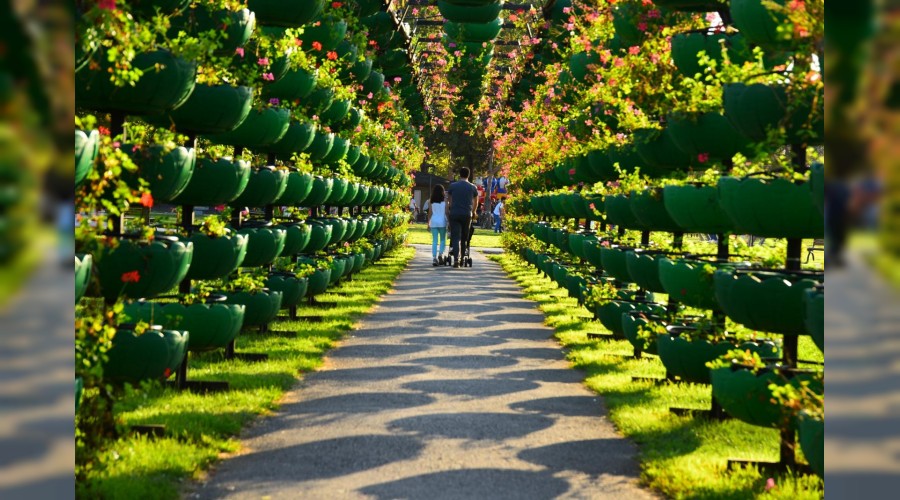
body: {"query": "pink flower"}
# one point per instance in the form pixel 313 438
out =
pixel 107 4
pixel 770 484
pixel 239 51
pixel 268 76
pixel 263 61
pixel 703 157
pixel 274 101
pixel 634 50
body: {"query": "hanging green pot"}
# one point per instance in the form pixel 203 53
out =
pixel 328 30
pixel 260 307
pixel 318 282
pixel 320 192
pixel 772 208
pixel 632 325
pixel 643 267
pixel 211 326
pixel 288 14
pixel 814 299
pixel 687 358
pixel 337 270
pixel 236 26
pixel 706 135
pixel 690 281
pixel 264 245
pixel 650 210
pixel 374 83
pixel 619 213
pixel 298 138
pixel 660 153
pixel 747 397
pixel 319 236
pixel 210 109
pixel 610 314
pixel 166 84
pixel 759 24
pixel 338 190
pixel 811 434
pixel 686 48
pixel 349 195
pixel 338 228
pixel 353 153
pixel 627 32
pixel 299 187
pixel 142 270
pixel 167 172
pixel 337 112
pixel 696 209
pixel 294 84
pixel 215 182
pixel 474 32
pixel 291 287
pixel 626 157
pixel 86 148
pixel 216 256
pixel 266 185
pixel 602 165
pixel 261 128
pixel 591 247
pixel 615 262
pixel 83 264
pixel 321 145
pixel 338 151
pixel 769 301
pixel 152 355
pixel 297 237
pixel 756 109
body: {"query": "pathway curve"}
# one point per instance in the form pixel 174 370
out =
pixel 451 388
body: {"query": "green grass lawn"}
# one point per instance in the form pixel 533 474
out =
pixel 681 457
pixel 201 427
pixel 483 238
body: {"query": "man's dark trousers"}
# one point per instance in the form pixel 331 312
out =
pixel 459 234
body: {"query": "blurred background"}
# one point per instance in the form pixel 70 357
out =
pixel 862 196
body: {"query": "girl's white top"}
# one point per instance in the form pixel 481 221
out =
pixel 438 214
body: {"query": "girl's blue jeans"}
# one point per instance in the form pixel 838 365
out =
pixel 438 232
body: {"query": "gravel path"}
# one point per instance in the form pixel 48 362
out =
pixel 451 388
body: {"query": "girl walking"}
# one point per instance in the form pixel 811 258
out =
pixel 437 223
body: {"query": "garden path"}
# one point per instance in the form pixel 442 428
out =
pixel 862 383
pixel 451 388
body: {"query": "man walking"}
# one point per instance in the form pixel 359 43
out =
pixel 461 202
pixel 498 216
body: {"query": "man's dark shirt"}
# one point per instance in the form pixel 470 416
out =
pixel 464 194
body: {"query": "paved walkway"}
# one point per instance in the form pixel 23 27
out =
pixel 451 388
pixel 862 402
pixel 37 386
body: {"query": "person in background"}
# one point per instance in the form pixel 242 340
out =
pixel 461 210
pixel 413 209
pixel 425 207
pixel 499 211
pixel 437 222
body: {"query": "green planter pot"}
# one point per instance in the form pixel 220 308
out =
pixel 627 158
pixel 292 288
pixel 709 134
pixel 576 244
pixel 611 313
pixel 157 91
pixel 591 247
pixel 618 212
pixel 327 30
pixel 338 228
pixel 215 182
pixel 298 138
pixel 688 281
pixel 337 270
pixel 266 185
pixel 349 262
pixel 216 257
pixel 817 186
pixel 299 186
pixel 320 99
pixel 696 209
pixel 237 26
pixel 338 191
pixel 83 264
pixel 152 355
pixel 260 308
pixel 338 151
pixel 264 245
pixel 649 208
pixel 746 396
pixel 167 172
pixel 321 145
pixel 484 13
pixel 474 32
pixel 160 265
pixel 686 48
pixel 643 267
pixel 659 152
pixel 261 128
pixel 297 238
pixel 211 326
pixel 359 260
pixel 687 358
pixel 632 323
pixel 87 146
pixel 755 109
pixel 318 282
pixel 210 109
pixel 287 14
pixel 601 165
pixel 320 236
pixel 336 113
pixel 814 298
pixel 811 434
pixel 368 7
pixel 772 208
pixel 615 262
pixel 374 83
pixel 320 192
pixel 758 24
pixel 294 84
pixel 768 301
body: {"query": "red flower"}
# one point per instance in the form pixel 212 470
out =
pixel 336 5
pixel 147 200
pixel 107 4
pixel 317 46
pixel 332 55
pixel 167 373
pixel 703 157
pixel 131 277
pixel 103 130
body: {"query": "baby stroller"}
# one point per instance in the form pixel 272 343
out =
pixel 466 259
